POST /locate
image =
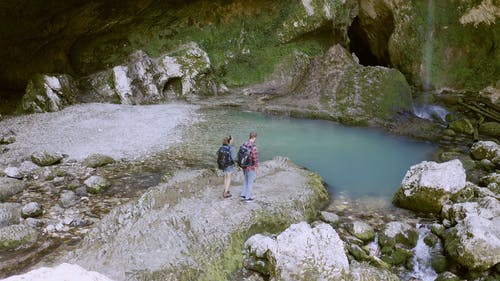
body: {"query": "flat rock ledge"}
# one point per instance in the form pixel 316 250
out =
pixel 185 230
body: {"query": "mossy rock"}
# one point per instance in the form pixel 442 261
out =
pixel 17 236
pixel 490 129
pixel 396 256
pixel 98 160
pixel 46 158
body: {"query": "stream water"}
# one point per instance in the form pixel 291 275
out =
pixel 353 161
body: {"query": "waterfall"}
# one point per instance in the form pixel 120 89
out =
pixel 427 59
pixel 422 268
pixel 431 112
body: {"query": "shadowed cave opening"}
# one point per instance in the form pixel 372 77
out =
pixel 360 45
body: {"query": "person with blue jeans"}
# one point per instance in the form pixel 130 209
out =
pixel 250 172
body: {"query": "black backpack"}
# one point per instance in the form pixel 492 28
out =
pixel 244 157
pixel 224 159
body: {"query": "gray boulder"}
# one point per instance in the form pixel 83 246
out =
pixel 13 172
pixel 361 230
pixel 428 185
pixel 9 187
pixel 474 242
pixel 10 213
pixel 398 232
pixel 329 217
pixel 31 210
pixel 485 150
pixel 204 241
pixel 96 184
pixel 97 160
pixel 301 252
pixel 46 158
pixel 48 93
pixel 18 236
pixel 144 80
pixel 68 199
pixel 7 137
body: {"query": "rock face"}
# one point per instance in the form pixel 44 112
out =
pixel 474 240
pixel 162 237
pixel 337 87
pixel 300 252
pixel 144 80
pixel 427 186
pixel 48 93
pixel 61 272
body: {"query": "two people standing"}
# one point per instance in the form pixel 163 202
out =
pixel 247 158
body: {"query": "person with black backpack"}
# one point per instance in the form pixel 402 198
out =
pixel 226 156
pixel 248 160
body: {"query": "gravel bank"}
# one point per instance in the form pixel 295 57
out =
pixel 120 131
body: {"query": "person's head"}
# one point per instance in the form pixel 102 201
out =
pixel 252 136
pixel 227 140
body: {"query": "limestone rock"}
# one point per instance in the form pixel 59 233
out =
pixel 32 209
pixel 10 213
pixel 13 172
pixel 61 272
pixel 485 150
pixel 341 89
pixel 9 187
pixel 7 137
pixel 362 230
pixel 474 242
pixel 301 253
pixel 46 158
pixel 48 93
pixel 363 272
pixel 329 217
pixel 68 199
pixel 144 80
pixel 163 220
pixel 96 184
pixel 398 232
pixel 17 236
pixel 427 186
pixel 97 160
pixel 487 207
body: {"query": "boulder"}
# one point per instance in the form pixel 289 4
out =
pixel 364 272
pixel 96 184
pixel 337 87
pixel 9 187
pixel 428 185
pixel 361 230
pixel 490 129
pixel 97 160
pixel 144 80
pixel 447 276
pixel 398 232
pixel 46 158
pixel 18 236
pixel 301 252
pixel 7 137
pixel 13 172
pixel 48 93
pixel 31 210
pixel 68 199
pixel 10 213
pixel 474 242
pixel 61 272
pixel 205 242
pixel 329 217
pixel 485 150
pixel 487 207
pixel 28 168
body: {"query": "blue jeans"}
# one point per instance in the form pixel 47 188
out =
pixel 248 183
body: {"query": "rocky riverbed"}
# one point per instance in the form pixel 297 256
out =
pixel 158 213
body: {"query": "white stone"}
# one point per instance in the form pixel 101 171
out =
pixel 62 272
pixel 122 84
pixel 448 176
pixel 13 172
pixel 309 8
pixel 303 251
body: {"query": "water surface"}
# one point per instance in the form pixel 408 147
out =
pixel 352 160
